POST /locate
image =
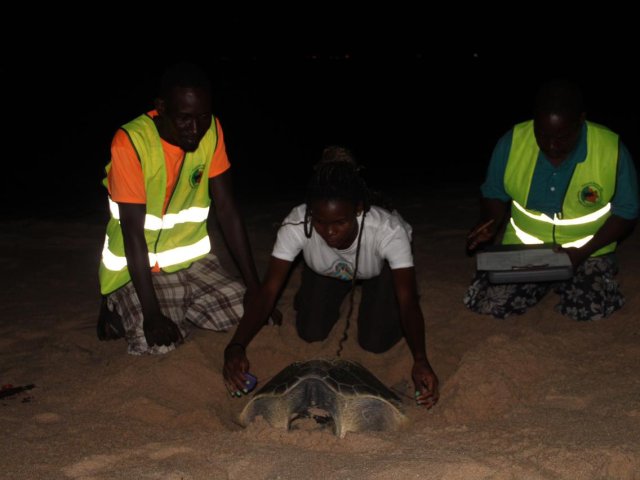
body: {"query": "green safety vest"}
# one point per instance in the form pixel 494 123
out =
pixel 175 238
pixel 587 203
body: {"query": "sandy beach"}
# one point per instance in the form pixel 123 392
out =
pixel 538 396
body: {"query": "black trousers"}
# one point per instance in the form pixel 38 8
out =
pixel 318 305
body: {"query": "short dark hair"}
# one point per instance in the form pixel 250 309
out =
pixel 183 74
pixel 560 96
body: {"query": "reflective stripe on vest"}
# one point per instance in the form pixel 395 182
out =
pixel 164 259
pixel 169 220
pixel 529 239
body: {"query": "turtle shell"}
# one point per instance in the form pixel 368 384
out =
pixel 352 397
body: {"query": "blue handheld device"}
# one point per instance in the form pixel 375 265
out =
pixel 251 382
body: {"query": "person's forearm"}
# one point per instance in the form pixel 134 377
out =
pixel 613 230
pixel 237 241
pixel 137 253
pixel 493 213
pixel 493 209
pixel 411 318
pixel 138 264
pixel 232 226
pixel 413 326
pixel 254 317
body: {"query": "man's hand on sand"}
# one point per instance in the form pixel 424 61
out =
pixel 160 330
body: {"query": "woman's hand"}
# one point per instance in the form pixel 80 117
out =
pixel 236 364
pixel 426 383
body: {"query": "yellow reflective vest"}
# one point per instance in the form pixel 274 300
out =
pixel 177 237
pixel 587 203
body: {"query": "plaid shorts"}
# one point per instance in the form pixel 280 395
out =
pixel 592 293
pixel 203 295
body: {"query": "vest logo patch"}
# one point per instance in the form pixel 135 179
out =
pixel 196 176
pixel 590 195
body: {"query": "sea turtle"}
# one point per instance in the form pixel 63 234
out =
pixel 351 396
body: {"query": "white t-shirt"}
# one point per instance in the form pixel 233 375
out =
pixel 386 236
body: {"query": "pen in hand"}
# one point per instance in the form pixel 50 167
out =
pixel 477 230
pixel 472 238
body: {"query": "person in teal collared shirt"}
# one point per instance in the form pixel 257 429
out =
pixel 549 183
pixel 561 155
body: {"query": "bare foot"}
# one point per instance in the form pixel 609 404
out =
pixel 109 323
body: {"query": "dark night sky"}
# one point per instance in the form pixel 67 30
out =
pixel 417 116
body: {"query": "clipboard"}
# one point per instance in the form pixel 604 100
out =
pixel 524 264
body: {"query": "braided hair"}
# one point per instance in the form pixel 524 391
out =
pixel 337 177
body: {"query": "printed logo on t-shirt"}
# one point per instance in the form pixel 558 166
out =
pixel 590 195
pixel 196 176
pixel 340 270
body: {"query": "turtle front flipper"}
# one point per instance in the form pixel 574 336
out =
pixel 367 413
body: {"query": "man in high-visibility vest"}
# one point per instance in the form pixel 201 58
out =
pixel 558 179
pixel 158 275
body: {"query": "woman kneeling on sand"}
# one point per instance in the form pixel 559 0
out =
pixel 343 238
